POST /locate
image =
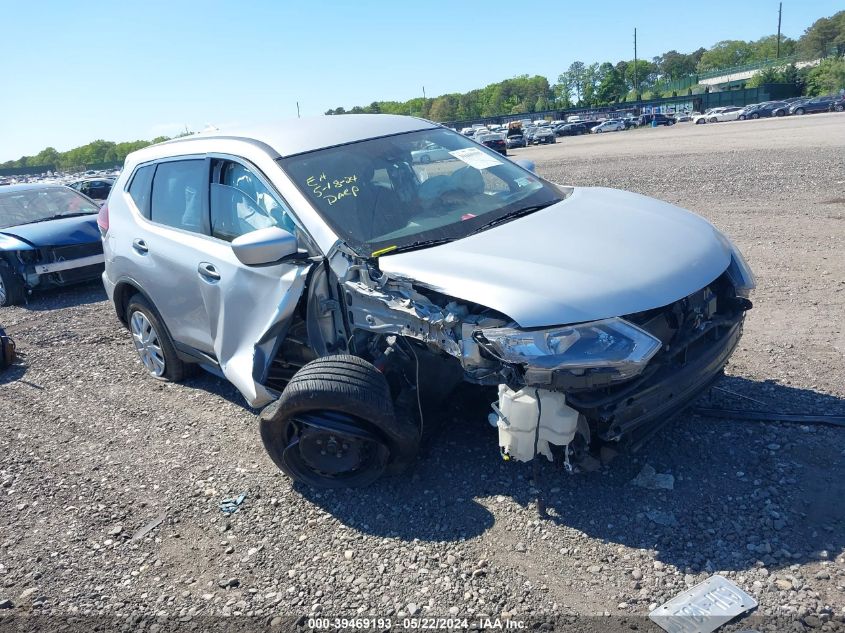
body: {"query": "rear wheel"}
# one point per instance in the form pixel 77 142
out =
pixel 799 111
pixel 838 108
pixel 12 291
pixel 713 120
pixel 334 425
pixel 780 113
pixel 755 116
pixel 152 342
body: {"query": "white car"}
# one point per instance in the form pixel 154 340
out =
pixel 715 115
pixel 429 154
pixel 314 266
pixel 609 126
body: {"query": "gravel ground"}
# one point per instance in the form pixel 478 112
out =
pixel 112 482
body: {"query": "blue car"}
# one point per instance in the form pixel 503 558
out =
pixel 48 237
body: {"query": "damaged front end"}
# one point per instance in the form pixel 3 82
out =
pixel 557 387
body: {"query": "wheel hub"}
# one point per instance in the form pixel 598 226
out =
pixel 328 453
pixel 147 343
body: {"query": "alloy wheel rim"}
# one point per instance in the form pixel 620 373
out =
pixel 147 344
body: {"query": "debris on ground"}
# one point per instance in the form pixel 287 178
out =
pixel 703 608
pixel 230 506
pixel 651 479
pixel 142 531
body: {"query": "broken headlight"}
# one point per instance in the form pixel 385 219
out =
pixel 612 344
pixel 739 272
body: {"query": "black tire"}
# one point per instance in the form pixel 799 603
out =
pixel 780 113
pixel 425 158
pixel 700 121
pixel 714 120
pixel 742 117
pixel 342 402
pixel 755 116
pixel 799 111
pixel 12 291
pixel 838 108
pixel 175 369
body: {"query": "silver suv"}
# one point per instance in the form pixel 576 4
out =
pixel 327 273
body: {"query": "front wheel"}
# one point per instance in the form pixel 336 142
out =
pixel 152 342
pixel 334 425
pixel 12 291
pixel 714 120
pixel 755 116
pixel 780 113
pixel 838 108
pixel 799 111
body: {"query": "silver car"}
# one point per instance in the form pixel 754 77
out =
pixel 347 288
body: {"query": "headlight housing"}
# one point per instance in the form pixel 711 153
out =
pixel 612 344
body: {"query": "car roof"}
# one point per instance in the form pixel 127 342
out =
pixel 297 136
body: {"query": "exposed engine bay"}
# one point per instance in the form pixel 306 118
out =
pixel 426 344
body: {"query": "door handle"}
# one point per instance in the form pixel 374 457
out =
pixel 140 246
pixel 208 271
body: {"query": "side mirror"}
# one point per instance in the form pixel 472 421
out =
pixel 527 164
pixel 264 246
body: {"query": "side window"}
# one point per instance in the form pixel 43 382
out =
pixel 177 195
pixel 139 189
pixel 241 203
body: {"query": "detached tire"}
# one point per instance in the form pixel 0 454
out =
pixel 11 288
pixel 334 426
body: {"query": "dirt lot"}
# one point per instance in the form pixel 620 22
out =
pixel 111 483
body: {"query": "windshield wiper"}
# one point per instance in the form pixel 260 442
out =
pixel 58 217
pixel 513 215
pixel 413 246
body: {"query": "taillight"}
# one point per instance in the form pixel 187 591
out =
pixel 103 219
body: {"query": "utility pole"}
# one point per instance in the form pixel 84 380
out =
pixel 423 93
pixel 297 109
pixel 780 10
pixel 636 91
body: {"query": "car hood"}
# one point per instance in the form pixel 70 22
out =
pixel 62 232
pixel 597 254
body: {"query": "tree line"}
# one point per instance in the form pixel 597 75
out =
pixel 580 85
pixel 598 84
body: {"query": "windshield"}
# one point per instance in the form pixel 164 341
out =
pixel 378 197
pixel 23 206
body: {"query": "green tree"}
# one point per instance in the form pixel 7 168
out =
pixel 828 77
pixel 725 54
pixel 824 36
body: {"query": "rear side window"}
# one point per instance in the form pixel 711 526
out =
pixel 139 189
pixel 177 198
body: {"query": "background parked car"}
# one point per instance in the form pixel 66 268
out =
pixel 656 119
pixel 544 135
pixel 516 140
pixel 765 109
pixel 94 188
pixel 811 106
pixel 838 104
pixel 783 110
pixel 571 129
pixel 496 142
pixel 48 237
pixel 430 153
pixel 609 126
